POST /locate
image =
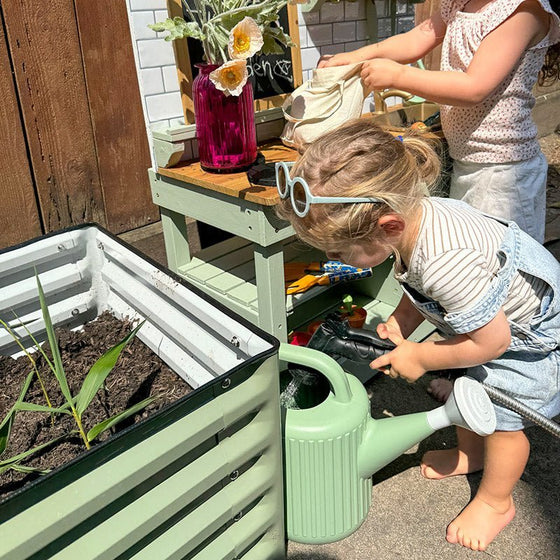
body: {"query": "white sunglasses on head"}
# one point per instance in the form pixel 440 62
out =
pixel 298 191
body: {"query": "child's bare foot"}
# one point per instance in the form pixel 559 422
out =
pixel 450 462
pixel 440 388
pixel 479 523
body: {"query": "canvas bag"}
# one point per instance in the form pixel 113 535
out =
pixel 333 96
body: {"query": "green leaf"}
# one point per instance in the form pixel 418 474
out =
pixel 275 40
pixel 20 456
pixel 270 46
pixel 347 302
pixel 16 337
pixel 178 28
pixel 32 407
pixel 99 372
pixel 37 345
pixel 58 369
pixel 27 470
pixel 5 468
pixel 6 425
pixel 110 422
pixel 265 18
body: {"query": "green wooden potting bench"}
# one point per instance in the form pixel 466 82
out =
pixel 245 272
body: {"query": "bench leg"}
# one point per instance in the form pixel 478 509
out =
pixel 271 292
pixel 176 239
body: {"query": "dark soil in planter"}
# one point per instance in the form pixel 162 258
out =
pixel 139 373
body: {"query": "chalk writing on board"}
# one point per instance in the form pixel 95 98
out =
pixel 271 69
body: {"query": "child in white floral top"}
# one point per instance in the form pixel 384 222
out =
pixel 492 52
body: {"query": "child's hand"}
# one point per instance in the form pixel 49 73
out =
pixel 390 328
pixel 402 361
pixel 340 59
pixel 380 73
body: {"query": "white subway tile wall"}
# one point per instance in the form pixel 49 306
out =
pixel 337 27
pixel 152 81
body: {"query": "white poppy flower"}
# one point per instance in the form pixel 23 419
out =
pixel 230 77
pixel 245 39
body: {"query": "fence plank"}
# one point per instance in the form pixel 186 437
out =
pixel 47 62
pixel 19 218
pixel 116 113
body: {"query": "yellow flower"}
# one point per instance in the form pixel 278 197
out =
pixel 245 39
pixel 230 77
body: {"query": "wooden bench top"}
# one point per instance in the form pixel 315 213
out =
pixel 233 184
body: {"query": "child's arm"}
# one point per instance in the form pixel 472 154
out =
pixel 496 57
pixel 404 48
pixel 411 360
pixel 403 321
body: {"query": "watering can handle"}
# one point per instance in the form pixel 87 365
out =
pixel 321 362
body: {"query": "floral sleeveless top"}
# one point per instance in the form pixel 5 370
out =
pixel 500 129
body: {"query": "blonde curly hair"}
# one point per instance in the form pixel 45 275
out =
pixel 359 159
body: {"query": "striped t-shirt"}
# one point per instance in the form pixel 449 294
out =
pixel 456 258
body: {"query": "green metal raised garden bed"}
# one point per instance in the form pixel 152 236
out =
pixel 199 479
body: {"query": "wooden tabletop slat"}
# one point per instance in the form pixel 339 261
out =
pixel 233 184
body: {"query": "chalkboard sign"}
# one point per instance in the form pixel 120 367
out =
pixel 270 75
pixel 273 76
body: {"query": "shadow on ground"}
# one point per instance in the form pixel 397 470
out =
pixel 409 514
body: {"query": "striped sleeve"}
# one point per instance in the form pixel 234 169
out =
pixel 457 279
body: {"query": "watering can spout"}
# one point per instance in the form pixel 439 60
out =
pixel 384 440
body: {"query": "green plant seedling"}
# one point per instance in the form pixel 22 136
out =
pixel 7 422
pixel 347 303
pixel 77 405
pixel 93 380
pixel 29 356
pixel 5 430
pixel 14 462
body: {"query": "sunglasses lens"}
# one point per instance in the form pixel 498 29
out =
pixel 299 197
pixel 282 181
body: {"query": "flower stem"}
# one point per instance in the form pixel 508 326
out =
pixel 189 11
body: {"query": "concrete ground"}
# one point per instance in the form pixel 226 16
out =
pixel 409 514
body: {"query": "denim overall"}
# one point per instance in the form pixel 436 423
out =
pixel 530 368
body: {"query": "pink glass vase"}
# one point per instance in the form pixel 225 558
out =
pixel 225 125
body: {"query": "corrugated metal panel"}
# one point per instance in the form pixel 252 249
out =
pixel 199 479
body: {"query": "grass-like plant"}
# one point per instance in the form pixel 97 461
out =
pixel 74 405
pixel 29 357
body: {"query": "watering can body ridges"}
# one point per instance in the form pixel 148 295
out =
pixel 332 449
pixel 326 498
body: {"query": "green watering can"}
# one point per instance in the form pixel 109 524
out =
pixel 333 448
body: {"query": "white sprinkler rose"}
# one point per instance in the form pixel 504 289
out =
pixel 245 39
pixel 230 77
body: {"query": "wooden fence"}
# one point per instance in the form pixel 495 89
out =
pixel 73 144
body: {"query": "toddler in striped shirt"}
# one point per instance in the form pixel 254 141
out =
pixel 362 196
